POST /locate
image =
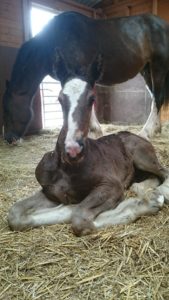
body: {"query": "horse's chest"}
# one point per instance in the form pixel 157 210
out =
pixel 69 188
pixel 81 181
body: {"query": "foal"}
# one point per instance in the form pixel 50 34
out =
pixel 83 180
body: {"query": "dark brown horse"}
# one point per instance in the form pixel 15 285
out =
pixel 120 47
pixel 83 180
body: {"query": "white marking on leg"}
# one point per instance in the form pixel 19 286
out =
pixel 152 124
pixel 126 212
pixel 160 200
pixel 61 214
pixel 145 186
pixel 73 89
pixel 164 190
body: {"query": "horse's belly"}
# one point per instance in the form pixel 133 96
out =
pixel 119 75
pixel 120 68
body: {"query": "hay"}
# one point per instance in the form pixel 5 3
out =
pixel 124 262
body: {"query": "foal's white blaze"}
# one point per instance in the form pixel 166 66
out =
pixel 73 89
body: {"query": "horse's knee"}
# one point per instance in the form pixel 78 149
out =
pixel 18 220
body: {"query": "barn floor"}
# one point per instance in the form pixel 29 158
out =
pixel 124 262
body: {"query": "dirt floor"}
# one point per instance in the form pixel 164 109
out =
pixel 123 262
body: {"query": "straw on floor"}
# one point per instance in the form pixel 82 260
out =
pixel 123 262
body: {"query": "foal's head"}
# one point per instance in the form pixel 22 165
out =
pixel 76 98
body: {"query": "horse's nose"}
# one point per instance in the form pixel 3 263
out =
pixel 11 138
pixel 74 148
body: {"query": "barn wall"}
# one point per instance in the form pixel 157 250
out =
pixel 128 7
pixel 11 37
pixel 66 5
pixel 163 12
pixel 11 21
pixel 163 9
pixel 124 103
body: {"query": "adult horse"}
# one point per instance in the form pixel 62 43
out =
pixel 119 48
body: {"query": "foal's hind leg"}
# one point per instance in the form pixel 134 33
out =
pixel 128 211
pixel 145 159
pixel 133 208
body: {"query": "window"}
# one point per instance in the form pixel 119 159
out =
pixel 49 88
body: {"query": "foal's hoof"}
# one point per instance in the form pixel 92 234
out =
pixel 82 226
pixel 164 190
pixel 156 201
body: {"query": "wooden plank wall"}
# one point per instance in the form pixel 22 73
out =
pixel 163 12
pixel 11 23
pixel 11 38
pixel 65 5
pixel 123 8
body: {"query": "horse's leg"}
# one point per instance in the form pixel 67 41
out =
pixel 164 190
pixel 95 128
pixel 153 124
pixel 128 211
pixel 143 187
pixel 102 198
pixel 147 202
pixel 145 159
pixel 37 210
pixel 155 80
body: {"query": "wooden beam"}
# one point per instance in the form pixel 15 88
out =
pixel 65 5
pixel 155 7
pixel 26 8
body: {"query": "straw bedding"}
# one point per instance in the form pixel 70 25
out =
pixel 123 262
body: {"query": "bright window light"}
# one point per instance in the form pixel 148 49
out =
pixel 51 109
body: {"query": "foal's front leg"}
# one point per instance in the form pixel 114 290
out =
pixel 38 210
pixel 102 198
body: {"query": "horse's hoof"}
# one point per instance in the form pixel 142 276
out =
pixel 82 226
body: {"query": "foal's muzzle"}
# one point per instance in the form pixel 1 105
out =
pixel 74 148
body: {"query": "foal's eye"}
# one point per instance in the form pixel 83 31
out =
pixel 91 100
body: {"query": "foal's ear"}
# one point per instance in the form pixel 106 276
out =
pixel 96 69
pixel 62 69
